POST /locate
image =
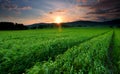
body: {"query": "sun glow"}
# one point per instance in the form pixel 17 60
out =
pixel 58 20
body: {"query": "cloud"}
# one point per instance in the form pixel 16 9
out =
pixel 87 2
pixel 70 10
pixel 59 11
pixel 84 1
pixel 10 6
pixel 24 8
pixel 50 12
pixel 25 0
pixel 64 10
pixel 106 9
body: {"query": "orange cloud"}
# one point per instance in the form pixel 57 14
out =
pixel 84 1
pixel 58 11
pixel 50 12
pixel 64 10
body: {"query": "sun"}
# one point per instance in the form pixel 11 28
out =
pixel 58 20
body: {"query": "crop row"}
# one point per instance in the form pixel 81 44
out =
pixel 116 51
pixel 89 57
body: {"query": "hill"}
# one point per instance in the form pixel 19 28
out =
pixel 16 26
pixel 112 23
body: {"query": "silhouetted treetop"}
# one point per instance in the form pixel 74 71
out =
pixel 11 26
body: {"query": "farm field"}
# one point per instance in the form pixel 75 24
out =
pixel 116 48
pixel 71 51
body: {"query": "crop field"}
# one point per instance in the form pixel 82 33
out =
pixel 69 51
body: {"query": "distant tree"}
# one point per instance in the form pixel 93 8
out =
pixel 11 26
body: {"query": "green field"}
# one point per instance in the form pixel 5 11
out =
pixel 69 51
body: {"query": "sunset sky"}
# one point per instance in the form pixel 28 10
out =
pixel 46 11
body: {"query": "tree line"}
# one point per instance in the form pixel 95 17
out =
pixel 11 26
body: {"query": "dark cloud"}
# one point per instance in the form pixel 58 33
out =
pixel 107 9
pixel 10 6
pixel 6 4
pixel 86 2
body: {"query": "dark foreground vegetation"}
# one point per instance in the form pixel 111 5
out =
pixel 11 26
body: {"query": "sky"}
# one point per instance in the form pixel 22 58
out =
pixel 46 11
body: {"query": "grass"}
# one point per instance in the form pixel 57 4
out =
pixel 116 50
pixel 48 51
pixel 88 57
